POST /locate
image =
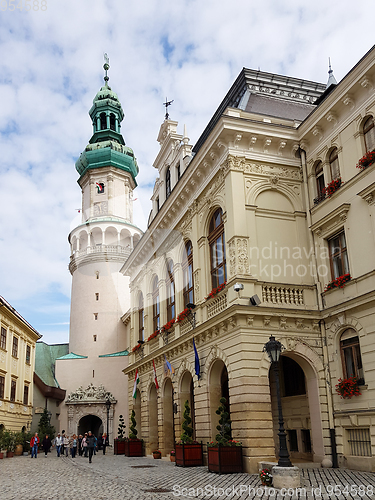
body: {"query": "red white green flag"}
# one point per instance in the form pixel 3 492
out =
pixel 136 382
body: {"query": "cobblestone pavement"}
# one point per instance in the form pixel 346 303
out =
pixel 112 477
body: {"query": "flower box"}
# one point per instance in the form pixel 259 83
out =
pixel 119 447
pixel 133 448
pixel 189 454
pixel 153 336
pixel 156 454
pixel 348 388
pixel 168 325
pixel 366 160
pixel 216 290
pixel 339 282
pixel 332 187
pixel 183 315
pixel 225 459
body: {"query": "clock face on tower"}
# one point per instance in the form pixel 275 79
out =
pixel 100 208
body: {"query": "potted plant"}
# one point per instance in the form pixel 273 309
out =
pixel 19 438
pixel 188 453
pixel 172 456
pixel 224 455
pixel 347 388
pixel 1 444
pixel 156 454
pixel 366 160
pixel 133 445
pixel 9 442
pixel 265 477
pixel 119 443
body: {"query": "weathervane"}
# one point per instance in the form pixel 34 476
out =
pixel 166 104
pixel 106 67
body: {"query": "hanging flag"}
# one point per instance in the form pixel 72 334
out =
pixel 197 363
pixel 168 366
pixel 155 377
pixel 136 382
pixel 100 187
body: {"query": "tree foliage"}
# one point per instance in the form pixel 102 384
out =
pixel 224 427
pixel 133 428
pixel 45 427
pixel 121 427
pixel 187 435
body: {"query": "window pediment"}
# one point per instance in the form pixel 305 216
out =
pixel 332 222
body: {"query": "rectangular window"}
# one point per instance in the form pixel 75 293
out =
pixel 359 442
pixel 96 296
pixel 26 395
pixel 28 354
pixel 338 255
pixel 293 442
pixel 2 386
pixel 15 347
pixel 306 440
pixel 3 338
pixel 13 386
pixel 95 316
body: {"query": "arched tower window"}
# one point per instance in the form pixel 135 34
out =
pixel 351 355
pixel 170 292
pixel 369 134
pixel 155 304
pixel 187 268
pixel 103 121
pixel 320 184
pixel 216 240
pixel 141 319
pixel 334 164
pixel 112 121
pixel 168 183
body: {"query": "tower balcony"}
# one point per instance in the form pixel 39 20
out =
pixel 99 252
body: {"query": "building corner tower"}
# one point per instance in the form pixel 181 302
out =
pixel 92 371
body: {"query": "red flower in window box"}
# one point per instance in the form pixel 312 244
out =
pixel 136 347
pixel 216 290
pixel 366 160
pixel 348 387
pixel 339 282
pixel 332 187
pixel 168 325
pixel 153 335
pixel 184 314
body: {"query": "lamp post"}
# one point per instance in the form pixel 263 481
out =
pixel 273 348
pixel 108 405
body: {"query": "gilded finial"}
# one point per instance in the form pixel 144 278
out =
pixel 106 67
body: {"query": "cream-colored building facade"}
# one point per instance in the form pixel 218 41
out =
pixel 246 205
pixel 17 361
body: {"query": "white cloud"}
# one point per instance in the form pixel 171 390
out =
pixel 190 51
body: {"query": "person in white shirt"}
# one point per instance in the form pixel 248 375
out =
pixel 58 442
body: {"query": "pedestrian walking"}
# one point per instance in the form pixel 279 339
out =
pixel 105 442
pixel 80 451
pixel 46 444
pixel 34 443
pixel 84 445
pixel 90 445
pixel 73 445
pixel 58 441
pixel 66 446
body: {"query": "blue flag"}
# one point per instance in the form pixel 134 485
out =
pixel 168 366
pixel 197 364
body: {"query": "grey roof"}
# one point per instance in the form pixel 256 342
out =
pixel 279 108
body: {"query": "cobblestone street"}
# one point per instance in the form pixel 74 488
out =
pixel 117 477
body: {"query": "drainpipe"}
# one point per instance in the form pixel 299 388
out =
pixel 323 333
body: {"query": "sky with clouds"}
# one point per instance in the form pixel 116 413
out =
pixel 191 51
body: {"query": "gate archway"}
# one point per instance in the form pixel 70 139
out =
pixel 90 423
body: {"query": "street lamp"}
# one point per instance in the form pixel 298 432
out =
pixel 108 405
pixel 273 348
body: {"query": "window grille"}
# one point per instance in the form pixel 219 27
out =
pixel 359 442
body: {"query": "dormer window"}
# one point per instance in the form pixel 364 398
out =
pixel 112 122
pixel 168 183
pixel 103 121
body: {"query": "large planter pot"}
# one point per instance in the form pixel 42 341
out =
pixel 10 454
pixel 119 447
pixel 134 448
pixel 189 455
pixel 1 455
pixel 156 455
pixel 18 450
pixel 225 459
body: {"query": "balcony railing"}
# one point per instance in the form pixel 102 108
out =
pixel 125 251
pixel 216 304
pixel 283 295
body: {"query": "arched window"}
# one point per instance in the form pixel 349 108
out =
pixel 170 292
pixel 369 134
pixel 155 304
pixel 217 249
pixel 187 268
pixel 168 183
pixel 103 121
pixel 141 319
pixel 351 355
pixel 320 184
pixel 338 255
pixel 334 164
pixel 112 121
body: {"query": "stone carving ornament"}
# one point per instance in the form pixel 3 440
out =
pixel 91 393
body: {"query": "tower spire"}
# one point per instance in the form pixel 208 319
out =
pixel 106 68
pixel 331 78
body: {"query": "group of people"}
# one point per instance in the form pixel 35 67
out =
pixel 83 445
